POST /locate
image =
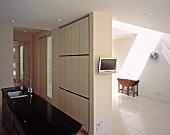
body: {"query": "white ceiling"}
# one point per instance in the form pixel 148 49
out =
pixel 44 14
pixel 24 30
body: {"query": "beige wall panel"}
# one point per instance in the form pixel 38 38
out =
pixel 67 73
pixel 67 103
pixel 61 96
pixel 35 62
pixel 67 39
pixel 61 41
pixel 84 113
pixel 75 74
pixel 75 38
pixel 75 107
pixel 61 72
pixel 43 67
pixel 27 60
pixel 84 76
pixel 26 63
pixel 84 36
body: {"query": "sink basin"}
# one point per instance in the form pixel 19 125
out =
pixel 20 96
pixel 16 94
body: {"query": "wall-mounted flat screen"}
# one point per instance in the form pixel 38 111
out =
pixel 107 65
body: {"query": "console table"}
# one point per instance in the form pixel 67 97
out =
pixel 129 86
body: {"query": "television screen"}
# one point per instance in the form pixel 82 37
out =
pixel 107 65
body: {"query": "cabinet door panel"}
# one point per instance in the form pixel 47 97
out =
pixel 19 129
pixel 75 108
pixel 75 74
pixel 61 99
pixel 61 41
pixel 84 36
pixel 43 67
pixel 61 72
pixel 67 103
pixel 84 111
pixel 67 73
pixel 75 38
pixel 67 47
pixel 84 76
pixel 15 131
pixel 8 120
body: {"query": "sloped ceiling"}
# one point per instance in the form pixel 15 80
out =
pixel 117 33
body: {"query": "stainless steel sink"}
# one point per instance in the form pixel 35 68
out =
pixel 16 94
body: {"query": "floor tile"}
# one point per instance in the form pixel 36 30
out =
pixel 140 115
pixel 156 131
pixel 121 129
pixel 140 133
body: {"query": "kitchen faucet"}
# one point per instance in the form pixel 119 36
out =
pixel 29 88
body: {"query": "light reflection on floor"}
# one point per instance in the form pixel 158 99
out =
pixel 140 115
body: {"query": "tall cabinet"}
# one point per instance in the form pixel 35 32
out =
pixel 74 70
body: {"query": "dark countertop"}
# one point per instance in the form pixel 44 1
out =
pixel 38 117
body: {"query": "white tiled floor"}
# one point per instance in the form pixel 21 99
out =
pixel 140 115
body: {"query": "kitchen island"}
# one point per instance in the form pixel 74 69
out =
pixel 32 115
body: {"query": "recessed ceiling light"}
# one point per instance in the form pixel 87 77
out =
pixel 24 31
pixel 12 20
pixel 149 13
pixel 59 20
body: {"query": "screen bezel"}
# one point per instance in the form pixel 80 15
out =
pixel 106 71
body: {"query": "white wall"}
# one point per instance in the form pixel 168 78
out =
pixel 6 57
pixel 100 85
pixel 155 76
pixel 121 49
pixel 154 79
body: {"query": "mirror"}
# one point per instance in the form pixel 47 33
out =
pixel 21 61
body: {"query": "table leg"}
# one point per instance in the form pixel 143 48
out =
pixel 137 90
pixel 128 91
pixel 133 91
pixel 122 89
pixel 118 87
